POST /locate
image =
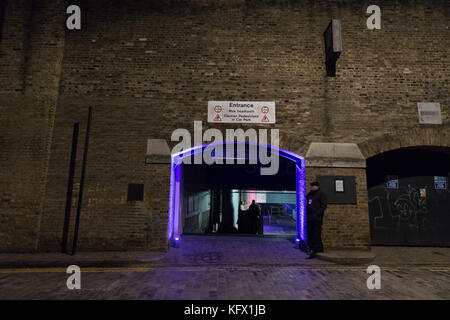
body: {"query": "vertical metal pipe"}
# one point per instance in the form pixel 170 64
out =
pixel 73 158
pixel 83 173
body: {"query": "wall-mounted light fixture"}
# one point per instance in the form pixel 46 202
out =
pixel 333 46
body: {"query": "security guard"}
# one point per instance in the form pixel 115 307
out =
pixel 315 208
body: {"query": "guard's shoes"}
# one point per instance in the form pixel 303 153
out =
pixel 311 255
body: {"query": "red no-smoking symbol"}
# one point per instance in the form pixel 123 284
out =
pixel 265 109
pixel 218 109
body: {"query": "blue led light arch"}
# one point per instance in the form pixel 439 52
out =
pixel 173 230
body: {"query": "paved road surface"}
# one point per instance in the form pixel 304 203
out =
pixel 241 268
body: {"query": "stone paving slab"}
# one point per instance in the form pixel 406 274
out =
pixel 219 250
pixel 227 251
pixel 217 267
pixel 237 250
pixel 430 256
pixel 236 283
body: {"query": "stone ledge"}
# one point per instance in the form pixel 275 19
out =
pixel 334 155
pixel 158 152
pixel 158 159
pixel 349 256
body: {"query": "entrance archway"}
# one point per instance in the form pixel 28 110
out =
pixel 176 180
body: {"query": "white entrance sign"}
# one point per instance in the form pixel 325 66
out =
pixel 241 112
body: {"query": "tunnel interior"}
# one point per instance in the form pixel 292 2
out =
pixel 216 198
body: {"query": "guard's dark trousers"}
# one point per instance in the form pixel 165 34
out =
pixel 315 235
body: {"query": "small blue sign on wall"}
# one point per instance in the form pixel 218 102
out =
pixel 392 184
pixel 440 182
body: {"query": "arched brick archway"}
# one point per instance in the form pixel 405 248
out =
pixel 437 137
pixel 400 214
pixel 174 229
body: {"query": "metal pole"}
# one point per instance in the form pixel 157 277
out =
pixel 83 173
pixel 73 157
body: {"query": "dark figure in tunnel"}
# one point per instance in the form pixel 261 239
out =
pixel 315 209
pixel 242 218
pixel 254 213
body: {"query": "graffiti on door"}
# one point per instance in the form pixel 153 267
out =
pixel 414 214
pixel 398 208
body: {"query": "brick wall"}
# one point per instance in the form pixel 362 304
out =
pixel 149 68
pixel 31 52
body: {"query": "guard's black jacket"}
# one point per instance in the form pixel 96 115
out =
pixel 316 203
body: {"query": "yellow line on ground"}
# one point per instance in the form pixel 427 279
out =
pixel 58 270
pixel 195 268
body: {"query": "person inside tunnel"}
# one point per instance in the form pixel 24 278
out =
pixel 254 213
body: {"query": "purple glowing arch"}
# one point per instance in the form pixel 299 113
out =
pixel 173 230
